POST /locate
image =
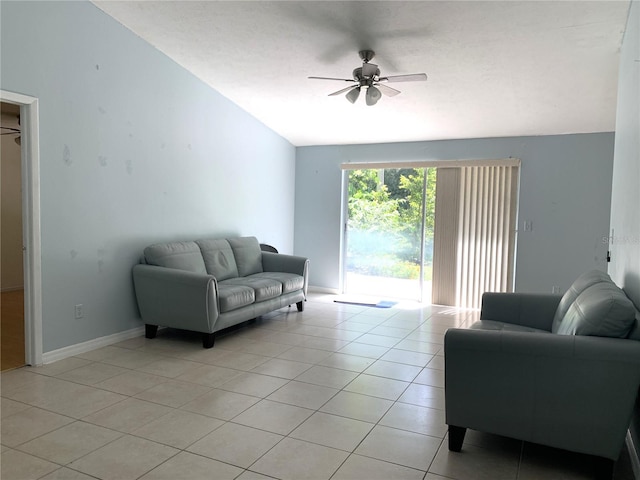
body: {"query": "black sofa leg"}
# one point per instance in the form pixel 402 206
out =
pixel 300 306
pixel 150 331
pixel 604 468
pixel 456 437
pixel 208 339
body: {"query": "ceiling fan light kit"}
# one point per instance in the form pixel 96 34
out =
pixel 353 94
pixel 373 95
pixel 369 76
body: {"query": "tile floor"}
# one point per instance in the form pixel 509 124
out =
pixel 336 392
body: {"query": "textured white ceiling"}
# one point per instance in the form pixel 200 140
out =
pixel 503 68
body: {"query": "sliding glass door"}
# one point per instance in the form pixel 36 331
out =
pixel 393 228
pixel 389 232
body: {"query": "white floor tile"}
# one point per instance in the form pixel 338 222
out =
pixel 236 444
pixel 128 415
pixel 254 384
pixel 195 467
pixel 278 367
pixel 357 467
pixel 126 458
pixel 178 428
pixel 273 417
pixel 357 406
pixel 303 394
pixel 337 391
pixel 22 466
pixel 221 404
pixel 380 387
pixel 28 424
pixel 400 447
pixel 332 431
pixel 297 460
pixel 70 442
pixel 475 463
pixel 327 376
pixel 428 421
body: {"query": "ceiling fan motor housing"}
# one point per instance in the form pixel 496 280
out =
pixel 364 79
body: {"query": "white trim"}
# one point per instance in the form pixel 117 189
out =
pixel 31 222
pixel 502 162
pixel 344 219
pixel 78 348
pixel 333 291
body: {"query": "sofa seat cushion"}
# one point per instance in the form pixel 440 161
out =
pixel 601 310
pixel 234 296
pixel 264 288
pixel 509 327
pixel 290 281
pixel 179 255
pixel 218 258
pixel 248 255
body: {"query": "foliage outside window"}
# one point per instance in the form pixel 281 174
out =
pixel 385 222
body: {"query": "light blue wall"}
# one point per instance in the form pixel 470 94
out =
pixel 565 190
pixel 625 200
pixel 133 150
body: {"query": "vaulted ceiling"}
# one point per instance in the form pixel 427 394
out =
pixel 497 68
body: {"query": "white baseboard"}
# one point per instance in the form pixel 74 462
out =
pixel 633 455
pixel 333 291
pixel 78 348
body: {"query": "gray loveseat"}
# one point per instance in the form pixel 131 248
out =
pixel 211 284
pixel 558 371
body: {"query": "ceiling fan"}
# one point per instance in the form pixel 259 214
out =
pixel 369 76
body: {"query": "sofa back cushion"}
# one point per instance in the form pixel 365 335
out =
pixel 248 255
pixel 218 258
pixel 601 310
pixel 178 255
pixel 581 283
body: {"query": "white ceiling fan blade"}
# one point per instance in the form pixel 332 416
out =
pixel 344 90
pixel 413 77
pixel 331 78
pixel 388 91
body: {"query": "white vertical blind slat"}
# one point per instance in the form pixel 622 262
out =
pixel 487 226
pixel 484 240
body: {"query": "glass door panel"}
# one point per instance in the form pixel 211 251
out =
pixel 387 245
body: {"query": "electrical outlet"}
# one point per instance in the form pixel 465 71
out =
pixel 79 311
pixel 555 289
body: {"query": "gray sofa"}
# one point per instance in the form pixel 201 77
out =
pixel 211 284
pixel 558 371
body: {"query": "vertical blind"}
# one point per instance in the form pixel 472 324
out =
pixel 474 236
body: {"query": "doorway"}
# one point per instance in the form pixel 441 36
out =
pixel 389 232
pixel 12 338
pixel 30 239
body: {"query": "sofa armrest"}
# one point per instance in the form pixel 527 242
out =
pixel 526 309
pixel 566 391
pixel 278 262
pixel 176 298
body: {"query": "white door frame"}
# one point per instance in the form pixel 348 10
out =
pixel 30 153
